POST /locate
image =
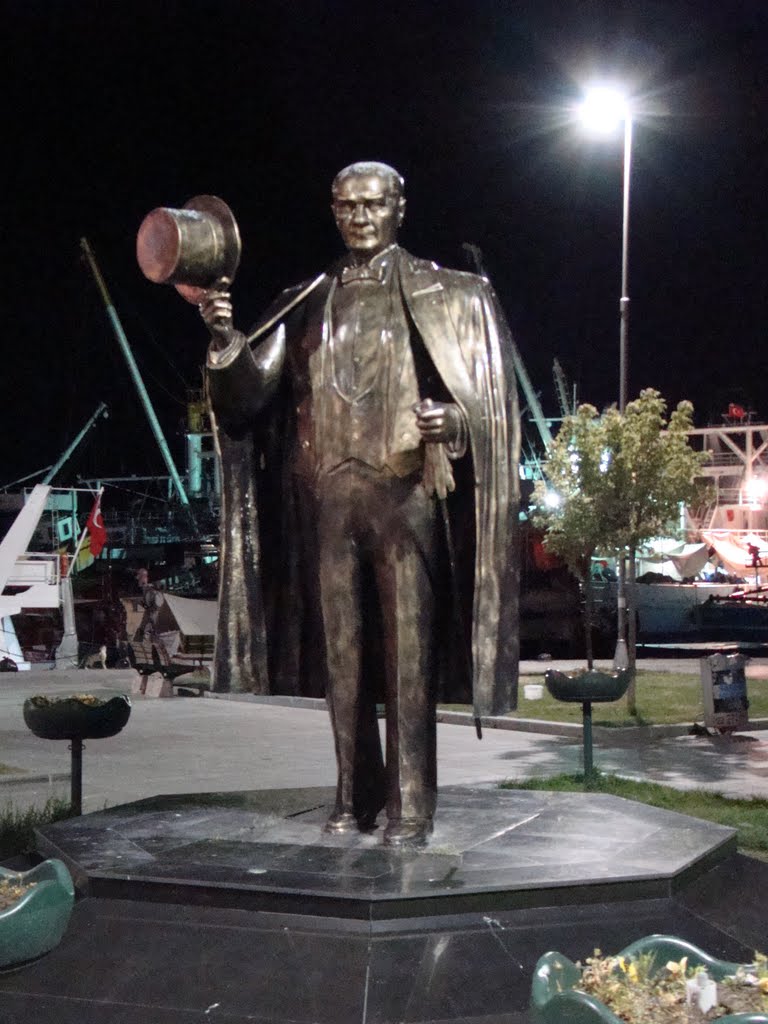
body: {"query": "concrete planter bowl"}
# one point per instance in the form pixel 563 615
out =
pixel 555 1000
pixel 36 922
pixel 76 718
pixel 593 685
pixel 68 718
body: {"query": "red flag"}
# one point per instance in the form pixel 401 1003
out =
pixel 96 528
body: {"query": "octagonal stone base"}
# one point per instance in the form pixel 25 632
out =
pixel 491 849
pixel 238 906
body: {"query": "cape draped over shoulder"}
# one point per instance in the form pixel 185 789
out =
pixel 266 631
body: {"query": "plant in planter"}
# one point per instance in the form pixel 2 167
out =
pixel 658 980
pixel 35 907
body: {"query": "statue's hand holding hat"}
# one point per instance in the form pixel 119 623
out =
pixel 192 248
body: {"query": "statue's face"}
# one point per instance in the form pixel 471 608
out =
pixel 368 213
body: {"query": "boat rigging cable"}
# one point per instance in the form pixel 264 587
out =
pixel 137 380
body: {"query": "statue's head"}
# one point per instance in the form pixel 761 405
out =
pixel 369 206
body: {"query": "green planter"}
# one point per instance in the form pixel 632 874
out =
pixel 554 999
pixel 587 687
pixel 69 718
pixel 593 685
pixel 35 923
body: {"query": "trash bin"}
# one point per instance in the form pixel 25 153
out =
pixel 724 692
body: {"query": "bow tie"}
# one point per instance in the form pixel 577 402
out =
pixel 365 272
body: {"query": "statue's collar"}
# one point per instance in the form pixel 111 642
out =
pixel 377 270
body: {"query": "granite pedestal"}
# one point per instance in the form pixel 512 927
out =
pixel 236 907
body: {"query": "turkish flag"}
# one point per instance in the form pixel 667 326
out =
pixel 96 528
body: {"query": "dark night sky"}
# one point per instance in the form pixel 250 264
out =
pixel 114 108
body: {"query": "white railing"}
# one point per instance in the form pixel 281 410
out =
pixel 34 568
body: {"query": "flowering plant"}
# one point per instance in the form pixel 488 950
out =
pixel 12 888
pixel 659 979
pixel 42 701
pixel 636 989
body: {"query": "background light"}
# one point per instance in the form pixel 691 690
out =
pixel 603 109
pixel 755 491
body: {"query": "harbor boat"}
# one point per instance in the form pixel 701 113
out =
pixel 715 586
pixel 678 611
pixel 34 580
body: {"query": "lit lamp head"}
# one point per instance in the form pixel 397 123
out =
pixel 756 491
pixel 603 109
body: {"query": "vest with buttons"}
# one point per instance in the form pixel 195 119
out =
pixel 362 379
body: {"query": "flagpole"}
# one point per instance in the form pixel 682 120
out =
pixel 68 651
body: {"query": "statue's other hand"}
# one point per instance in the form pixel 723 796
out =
pixel 439 422
pixel 216 311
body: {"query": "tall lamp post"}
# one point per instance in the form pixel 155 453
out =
pixel 602 110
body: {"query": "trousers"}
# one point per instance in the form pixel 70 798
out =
pixel 376 562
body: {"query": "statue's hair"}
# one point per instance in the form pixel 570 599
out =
pixel 393 179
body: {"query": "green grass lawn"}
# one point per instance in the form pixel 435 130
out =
pixel 748 817
pixel 663 698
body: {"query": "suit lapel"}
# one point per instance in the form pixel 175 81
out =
pixel 427 303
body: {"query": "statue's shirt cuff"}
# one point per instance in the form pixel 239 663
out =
pixel 219 358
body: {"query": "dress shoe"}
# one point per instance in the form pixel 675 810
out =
pixel 341 821
pixel 366 821
pixel 403 832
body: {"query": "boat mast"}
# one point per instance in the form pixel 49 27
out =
pixel 134 371
pixel 100 411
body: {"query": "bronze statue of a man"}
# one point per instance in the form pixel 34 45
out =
pixel 383 402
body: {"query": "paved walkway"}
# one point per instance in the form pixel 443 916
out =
pixel 188 744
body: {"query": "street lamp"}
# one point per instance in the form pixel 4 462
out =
pixel 602 110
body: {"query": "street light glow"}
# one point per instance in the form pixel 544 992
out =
pixel 603 109
pixel 755 491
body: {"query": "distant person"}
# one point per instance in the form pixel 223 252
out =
pixel 152 601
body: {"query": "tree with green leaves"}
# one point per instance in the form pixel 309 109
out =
pixel 571 501
pixel 613 482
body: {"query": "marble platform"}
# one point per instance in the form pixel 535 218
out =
pixel 492 849
pixel 236 907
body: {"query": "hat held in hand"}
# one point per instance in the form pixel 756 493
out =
pixel 191 248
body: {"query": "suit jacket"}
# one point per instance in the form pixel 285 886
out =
pixel 463 330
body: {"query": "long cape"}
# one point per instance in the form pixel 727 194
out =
pixel 267 634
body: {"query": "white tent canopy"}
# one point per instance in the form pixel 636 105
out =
pixel 689 559
pixel 194 617
pixel 733 549
pixel 680 561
